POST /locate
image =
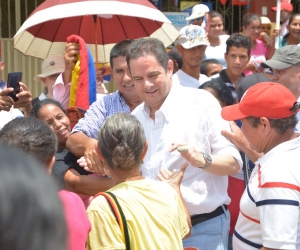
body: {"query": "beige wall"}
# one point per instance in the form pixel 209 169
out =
pixel 16 61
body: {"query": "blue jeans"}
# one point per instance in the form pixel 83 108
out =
pixel 211 234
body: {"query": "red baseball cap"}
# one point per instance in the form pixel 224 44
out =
pixel 284 6
pixel 265 99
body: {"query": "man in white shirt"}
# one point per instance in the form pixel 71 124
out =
pixel 173 116
pixel 192 45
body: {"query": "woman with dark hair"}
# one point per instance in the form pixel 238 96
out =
pixel 31 215
pixel 155 214
pixel 66 170
pixel 36 138
pixel 217 40
pixel 259 51
pixel 220 91
pixel 293 35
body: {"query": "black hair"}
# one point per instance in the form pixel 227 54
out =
pixel 239 40
pixel 280 125
pixel 31 214
pixel 249 17
pixel 205 63
pixel 148 46
pixel 32 136
pixel 223 92
pixel 120 49
pixel 121 141
pixel 214 13
pixel 285 37
pixel 36 107
pixel 175 56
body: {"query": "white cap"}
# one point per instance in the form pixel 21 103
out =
pixel 199 10
pixel 51 65
pixel 265 20
pixel 191 36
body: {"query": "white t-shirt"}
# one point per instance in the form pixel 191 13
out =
pixel 192 116
pixel 217 52
pixel 182 78
pixel 269 208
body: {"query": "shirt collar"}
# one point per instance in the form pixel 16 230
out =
pixel 282 147
pixel 167 105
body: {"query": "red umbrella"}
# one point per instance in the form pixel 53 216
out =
pixel 97 21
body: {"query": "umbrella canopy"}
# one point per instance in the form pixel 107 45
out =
pixel 104 22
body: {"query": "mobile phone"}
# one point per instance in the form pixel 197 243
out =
pixel 13 80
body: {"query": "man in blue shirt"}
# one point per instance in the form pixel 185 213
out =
pixel 82 141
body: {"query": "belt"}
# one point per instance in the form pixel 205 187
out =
pixel 196 219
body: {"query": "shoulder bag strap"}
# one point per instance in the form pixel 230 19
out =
pixel 120 217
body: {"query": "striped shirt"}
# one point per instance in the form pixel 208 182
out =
pixel 269 208
pixel 99 111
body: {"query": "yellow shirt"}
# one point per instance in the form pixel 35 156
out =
pixel 154 213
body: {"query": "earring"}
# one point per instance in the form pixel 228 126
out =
pixel 142 161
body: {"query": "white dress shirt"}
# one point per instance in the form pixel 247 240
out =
pixel 189 116
pixel 186 80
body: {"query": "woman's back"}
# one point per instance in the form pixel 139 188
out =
pixel 155 216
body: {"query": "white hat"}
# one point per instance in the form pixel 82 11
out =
pixel 51 65
pixel 191 36
pixel 198 10
pixel 265 20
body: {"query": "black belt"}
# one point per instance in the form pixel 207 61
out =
pixel 196 219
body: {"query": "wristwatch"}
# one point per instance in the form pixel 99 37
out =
pixel 207 159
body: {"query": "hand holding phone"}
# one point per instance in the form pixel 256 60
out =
pixel 13 82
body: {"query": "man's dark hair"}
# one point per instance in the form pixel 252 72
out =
pixel 120 49
pixel 204 65
pixel 32 136
pixel 240 41
pixel 280 125
pixel 148 46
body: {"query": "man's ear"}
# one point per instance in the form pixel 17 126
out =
pixel 170 67
pixel 266 125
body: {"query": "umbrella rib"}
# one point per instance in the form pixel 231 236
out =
pixel 122 27
pixel 143 26
pixel 101 26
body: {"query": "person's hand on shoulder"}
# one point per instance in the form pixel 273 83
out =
pixel 91 161
pixel 25 99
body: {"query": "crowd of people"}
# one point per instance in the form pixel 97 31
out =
pixel 196 149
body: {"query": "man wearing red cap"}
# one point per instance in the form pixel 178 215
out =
pixel 286 10
pixel 269 208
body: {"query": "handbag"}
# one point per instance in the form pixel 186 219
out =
pixel 118 213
